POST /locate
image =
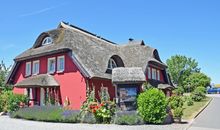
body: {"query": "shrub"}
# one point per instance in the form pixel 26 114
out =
pixel 176 104
pixel 127 118
pixel 198 94
pixel 178 112
pixel 10 102
pixel 87 117
pixel 152 106
pixel 189 101
pixel 47 114
pixel 176 101
pixel 179 91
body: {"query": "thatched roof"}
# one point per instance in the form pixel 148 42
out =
pixel 165 86
pixel 90 52
pixel 123 75
pixel 42 80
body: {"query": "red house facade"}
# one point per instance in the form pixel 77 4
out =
pixel 63 63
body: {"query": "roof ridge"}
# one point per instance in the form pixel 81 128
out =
pixel 70 26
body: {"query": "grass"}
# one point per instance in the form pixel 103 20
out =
pixel 191 111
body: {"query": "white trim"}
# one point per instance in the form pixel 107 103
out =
pixel 47 40
pixel 111 62
pixel 58 64
pixel 33 67
pixel 28 72
pixel 48 65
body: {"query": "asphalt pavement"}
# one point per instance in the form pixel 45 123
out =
pixel 209 119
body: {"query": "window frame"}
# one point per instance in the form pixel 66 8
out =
pixel 33 67
pixel 58 64
pixel 149 72
pixel 48 65
pixel 111 60
pixel 27 74
pixel 154 74
pixel 158 75
pixel 45 41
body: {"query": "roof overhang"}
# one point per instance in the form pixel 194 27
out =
pixel 165 86
pixel 42 80
pixel 128 75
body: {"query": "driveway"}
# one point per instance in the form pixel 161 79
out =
pixel 7 123
pixel 209 119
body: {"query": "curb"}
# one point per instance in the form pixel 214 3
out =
pixel 200 111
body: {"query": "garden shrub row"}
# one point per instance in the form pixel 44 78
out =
pixel 47 113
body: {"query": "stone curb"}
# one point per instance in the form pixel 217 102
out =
pixel 200 111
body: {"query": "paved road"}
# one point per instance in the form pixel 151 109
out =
pixel 209 119
pixel 7 123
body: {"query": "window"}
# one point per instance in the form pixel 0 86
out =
pixel 60 64
pixel 111 64
pixel 154 74
pixel 36 67
pixel 158 75
pixel 51 64
pixel 47 40
pixel 28 69
pixel 149 72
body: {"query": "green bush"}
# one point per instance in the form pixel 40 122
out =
pixel 127 118
pixel 152 106
pixel 179 91
pixel 176 104
pixel 47 114
pixel 10 102
pixel 87 117
pixel 178 112
pixel 189 101
pixel 198 94
pixel 176 101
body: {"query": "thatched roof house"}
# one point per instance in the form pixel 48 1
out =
pixel 93 59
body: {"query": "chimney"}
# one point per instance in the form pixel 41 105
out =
pixel 131 39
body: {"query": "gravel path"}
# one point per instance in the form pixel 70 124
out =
pixel 7 123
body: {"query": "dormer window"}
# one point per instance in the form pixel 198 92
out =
pixel 47 41
pixel 111 64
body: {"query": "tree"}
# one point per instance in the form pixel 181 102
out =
pixel 195 80
pixel 4 71
pixel 180 67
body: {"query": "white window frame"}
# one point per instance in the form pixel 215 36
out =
pixel 33 70
pixel 149 72
pixel 158 75
pixel 48 65
pixel 154 73
pixel 60 70
pixel 28 72
pixel 47 40
pixel 110 64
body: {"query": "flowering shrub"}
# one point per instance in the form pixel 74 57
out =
pixel 102 111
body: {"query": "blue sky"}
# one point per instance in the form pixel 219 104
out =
pixel 186 27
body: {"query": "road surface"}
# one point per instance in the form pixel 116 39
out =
pixel 209 119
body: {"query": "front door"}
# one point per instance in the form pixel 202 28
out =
pixel 42 97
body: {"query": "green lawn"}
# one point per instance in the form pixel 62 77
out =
pixel 190 111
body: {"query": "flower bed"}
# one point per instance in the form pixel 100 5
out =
pixel 47 114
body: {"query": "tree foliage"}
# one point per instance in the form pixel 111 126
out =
pixel 180 67
pixel 4 71
pixel 195 80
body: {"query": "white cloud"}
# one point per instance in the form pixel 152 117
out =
pixel 36 12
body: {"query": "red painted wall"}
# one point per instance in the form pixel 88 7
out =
pixel 72 83
pixel 98 84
